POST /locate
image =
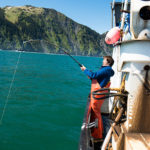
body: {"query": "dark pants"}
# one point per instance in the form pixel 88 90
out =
pixel 106 125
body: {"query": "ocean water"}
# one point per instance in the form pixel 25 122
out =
pixel 45 107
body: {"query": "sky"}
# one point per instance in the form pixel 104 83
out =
pixel 96 14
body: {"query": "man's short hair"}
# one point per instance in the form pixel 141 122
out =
pixel 109 60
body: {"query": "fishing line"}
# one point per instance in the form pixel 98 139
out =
pixel 10 87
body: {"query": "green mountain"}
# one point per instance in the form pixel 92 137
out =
pixel 45 30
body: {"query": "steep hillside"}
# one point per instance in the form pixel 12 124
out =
pixel 48 31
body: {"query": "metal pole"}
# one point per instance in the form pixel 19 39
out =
pixel 124 14
pixel 112 13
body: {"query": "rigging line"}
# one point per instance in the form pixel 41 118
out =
pixel 10 87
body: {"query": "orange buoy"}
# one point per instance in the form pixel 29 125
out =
pixel 113 35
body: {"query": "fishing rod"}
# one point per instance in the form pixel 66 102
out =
pixel 32 40
pixel 72 57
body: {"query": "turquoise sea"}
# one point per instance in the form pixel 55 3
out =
pixel 45 107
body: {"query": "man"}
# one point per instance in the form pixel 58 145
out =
pixel 100 79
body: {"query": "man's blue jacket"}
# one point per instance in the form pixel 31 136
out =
pixel 102 75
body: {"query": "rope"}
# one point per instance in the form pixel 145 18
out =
pixel 10 87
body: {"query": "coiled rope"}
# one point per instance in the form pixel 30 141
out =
pixel 10 87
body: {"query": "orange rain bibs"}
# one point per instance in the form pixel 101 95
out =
pixel 95 108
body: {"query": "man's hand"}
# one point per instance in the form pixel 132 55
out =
pixel 83 68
